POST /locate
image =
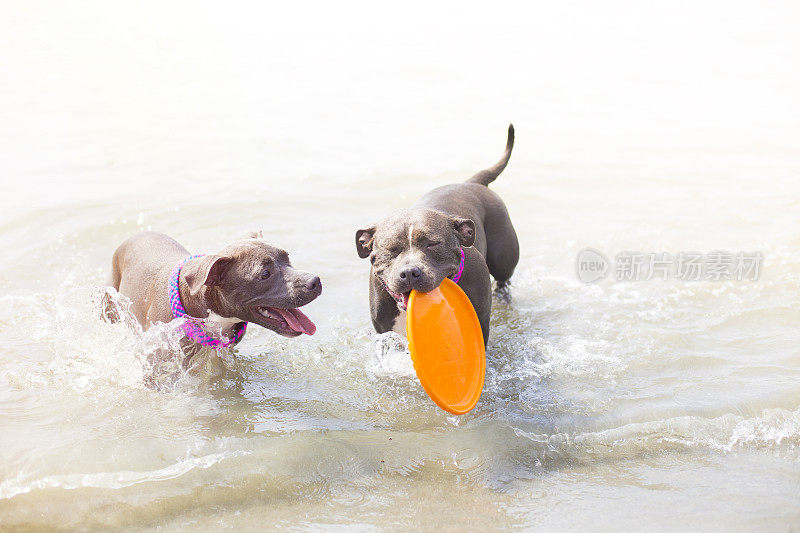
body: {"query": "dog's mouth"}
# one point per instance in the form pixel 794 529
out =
pixel 286 322
pixel 400 298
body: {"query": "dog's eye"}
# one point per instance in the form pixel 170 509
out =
pixel 265 274
pixel 432 244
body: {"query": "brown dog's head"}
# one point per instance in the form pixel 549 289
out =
pixel 415 250
pixel 255 282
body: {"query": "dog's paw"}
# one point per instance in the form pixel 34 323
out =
pixel 502 291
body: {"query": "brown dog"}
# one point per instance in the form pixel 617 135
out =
pixel 248 281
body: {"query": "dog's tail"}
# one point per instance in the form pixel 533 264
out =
pixel 485 177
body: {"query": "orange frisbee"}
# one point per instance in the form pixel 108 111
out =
pixel 446 345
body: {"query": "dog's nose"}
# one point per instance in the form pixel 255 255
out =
pixel 314 284
pixel 413 272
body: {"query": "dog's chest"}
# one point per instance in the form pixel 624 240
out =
pixel 400 323
pixel 219 324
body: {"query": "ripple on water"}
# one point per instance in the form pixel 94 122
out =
pixel 571 382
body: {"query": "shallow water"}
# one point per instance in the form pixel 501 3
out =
pixel 651 404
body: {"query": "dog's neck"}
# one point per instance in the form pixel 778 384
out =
pixel 200 305
pixel 214 328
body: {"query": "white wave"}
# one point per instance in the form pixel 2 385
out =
pixel 390 356
pixel 90 352
pixel 113 480
pixel 772 429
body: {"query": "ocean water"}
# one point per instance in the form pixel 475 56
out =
pixel 651 404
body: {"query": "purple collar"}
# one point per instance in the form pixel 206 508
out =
pixel 460 268
pixel 192 326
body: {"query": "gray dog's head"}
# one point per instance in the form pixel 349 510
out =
pixel 255 282
pixel 415 250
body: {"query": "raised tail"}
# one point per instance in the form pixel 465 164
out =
pixel 485 177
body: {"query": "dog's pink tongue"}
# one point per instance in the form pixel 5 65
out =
pixel 298 321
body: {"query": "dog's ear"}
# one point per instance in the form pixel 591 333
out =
pixel 210 270
pixel 465 231
pixel 254 235
pixel 364 238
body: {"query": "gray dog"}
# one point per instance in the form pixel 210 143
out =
pixel 415 249
pixel 248 281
